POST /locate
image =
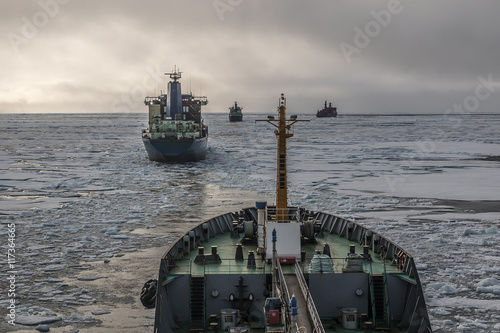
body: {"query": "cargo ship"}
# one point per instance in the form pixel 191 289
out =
pixel 327 111
pixel 235 112
pixel 176 131
pixel 283 268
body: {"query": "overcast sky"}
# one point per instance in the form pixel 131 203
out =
pixel 390 56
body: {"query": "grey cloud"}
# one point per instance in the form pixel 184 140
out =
pixel 429 55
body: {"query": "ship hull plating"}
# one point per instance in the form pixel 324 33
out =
pixel 187 150
pixel 326 115
pixel 235 118
pixel 331 112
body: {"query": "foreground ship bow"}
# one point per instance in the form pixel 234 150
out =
pixel 286 269
pixel 176 132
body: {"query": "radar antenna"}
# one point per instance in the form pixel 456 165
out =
pixel 175 75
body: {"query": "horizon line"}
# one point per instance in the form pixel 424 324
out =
pixel 257 113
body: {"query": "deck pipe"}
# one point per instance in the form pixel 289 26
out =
pixel 261 211
pixel 261 222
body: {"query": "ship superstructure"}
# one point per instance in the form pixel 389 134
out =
pixel 176 131
pixel 235 113
pixel 327 111
pixel 282 268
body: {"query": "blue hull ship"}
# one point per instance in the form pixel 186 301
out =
pixel 176 131
pixel 188 150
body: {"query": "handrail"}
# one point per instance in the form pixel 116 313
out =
pixel 283 286
pixel 372 291
pixel 386 295
pixel 284 290
pixel 226 266
pixel 311 308
pixel 290 212
pixel 372 297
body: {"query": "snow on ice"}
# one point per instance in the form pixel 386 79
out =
pixel 86 198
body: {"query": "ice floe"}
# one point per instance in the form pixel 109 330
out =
pixel 489 285
pixel 72 198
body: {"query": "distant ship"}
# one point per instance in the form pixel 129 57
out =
pixel 281 268
pixel 327 111
pixel 235 112
pixel 176 131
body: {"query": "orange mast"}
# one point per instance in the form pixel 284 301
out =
pixel 282 132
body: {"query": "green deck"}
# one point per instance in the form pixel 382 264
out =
pixel 226 245
pixel 378 279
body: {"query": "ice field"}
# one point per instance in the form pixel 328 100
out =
pixel 92 214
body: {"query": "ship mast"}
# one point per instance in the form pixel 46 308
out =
pixel 283 132
pixel 175 75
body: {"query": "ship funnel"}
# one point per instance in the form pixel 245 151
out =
pixel 174 97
